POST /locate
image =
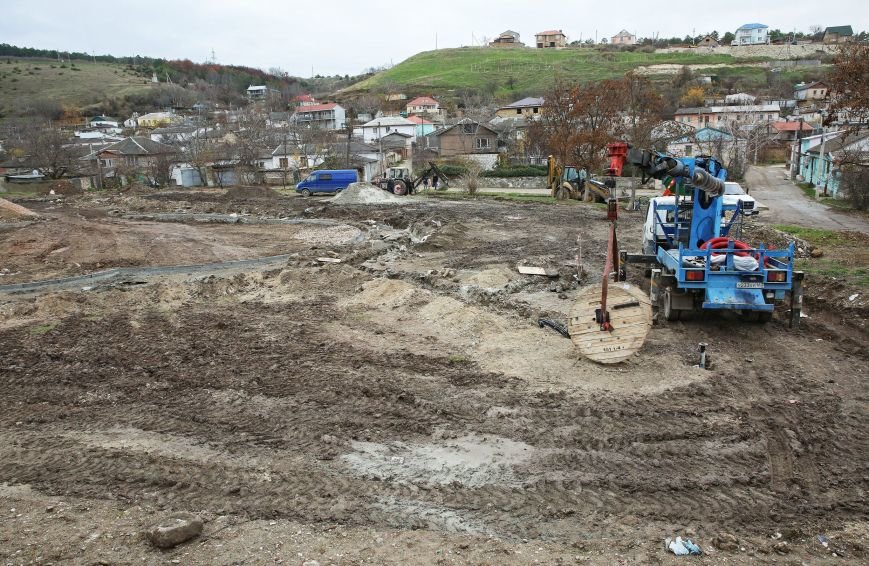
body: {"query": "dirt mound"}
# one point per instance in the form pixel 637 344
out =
pixel 366 193
pixel 15 211
pixel 236 193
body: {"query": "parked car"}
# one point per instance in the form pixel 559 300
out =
pixel 734 193
pixel 327 181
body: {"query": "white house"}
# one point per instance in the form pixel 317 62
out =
pixel 751 34
pixel 624 37
pixel 289 157
pixel 379 127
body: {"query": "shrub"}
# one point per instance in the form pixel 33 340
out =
pixel 854 185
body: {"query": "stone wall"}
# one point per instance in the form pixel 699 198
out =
pixel 804 51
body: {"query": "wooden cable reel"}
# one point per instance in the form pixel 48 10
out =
pixel 609 322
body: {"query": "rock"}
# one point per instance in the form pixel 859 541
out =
pixel 310 563
pixel 174 530
pixel 781 547
pixel 725 542
pixel 816 253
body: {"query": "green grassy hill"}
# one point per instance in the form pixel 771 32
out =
pixel 24 82
pixel 502 71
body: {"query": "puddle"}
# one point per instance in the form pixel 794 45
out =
pixel 471 461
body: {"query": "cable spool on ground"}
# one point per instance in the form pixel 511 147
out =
pixel 630 313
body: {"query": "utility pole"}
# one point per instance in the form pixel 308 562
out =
pixel 823 175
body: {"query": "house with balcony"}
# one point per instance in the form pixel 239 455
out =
pixel 508 38
pixel 423 105
pixel 329 116
pixel 551 39
pixel 751 34
pixel 722 116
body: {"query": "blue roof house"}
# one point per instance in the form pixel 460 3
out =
pixel 751 34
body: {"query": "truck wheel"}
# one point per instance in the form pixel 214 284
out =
pixel 306 193
pixel 400 188
pixel 562 193
pixel 670 314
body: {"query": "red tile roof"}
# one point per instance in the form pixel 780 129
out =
pixel 551 32
pixel 791 126
pixel 317 107
pixel 423 101
pixel 304 98
pixel 418 120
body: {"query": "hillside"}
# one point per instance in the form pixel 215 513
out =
pixel 24 82
pixel 529 71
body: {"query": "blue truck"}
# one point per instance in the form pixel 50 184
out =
pixel 327 181
pixel 697 264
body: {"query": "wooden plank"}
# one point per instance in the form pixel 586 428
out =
pixel 533 270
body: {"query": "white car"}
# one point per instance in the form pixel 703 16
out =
pixel 734 194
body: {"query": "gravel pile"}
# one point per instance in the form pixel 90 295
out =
pixel 366 193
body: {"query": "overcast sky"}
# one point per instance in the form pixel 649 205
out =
pixel 349 36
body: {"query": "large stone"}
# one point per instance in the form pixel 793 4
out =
pixel 174 530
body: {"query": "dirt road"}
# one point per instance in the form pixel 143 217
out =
pixel 788 205
pixel 402 406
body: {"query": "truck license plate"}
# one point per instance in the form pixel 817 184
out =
pixel 749 285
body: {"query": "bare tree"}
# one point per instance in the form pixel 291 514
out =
pixel 46 149
pixel 849 85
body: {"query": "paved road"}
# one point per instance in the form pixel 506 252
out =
pixel 788 205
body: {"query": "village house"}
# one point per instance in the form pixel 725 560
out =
pixel 838 34
pixel 329 116
pixel 508 38
pixel 133 155
pixel 260 92
pixel 811 91
pixel 551 39
pixel 423 127
pixel 719 116
pixel 790 131
pixel 529 107
pixel 467 138
pixel 375 129
pixel 823 170
pixel 708 41
pixel 423 105
pixel 304 100
pixel 707 141
pixel 751 34
pixel 156 120
pixel 624 37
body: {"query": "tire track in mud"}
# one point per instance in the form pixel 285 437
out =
pixel 278 400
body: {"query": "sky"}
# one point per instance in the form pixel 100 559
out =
pixel 329 37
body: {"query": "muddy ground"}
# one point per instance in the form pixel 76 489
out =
pixel 401 406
